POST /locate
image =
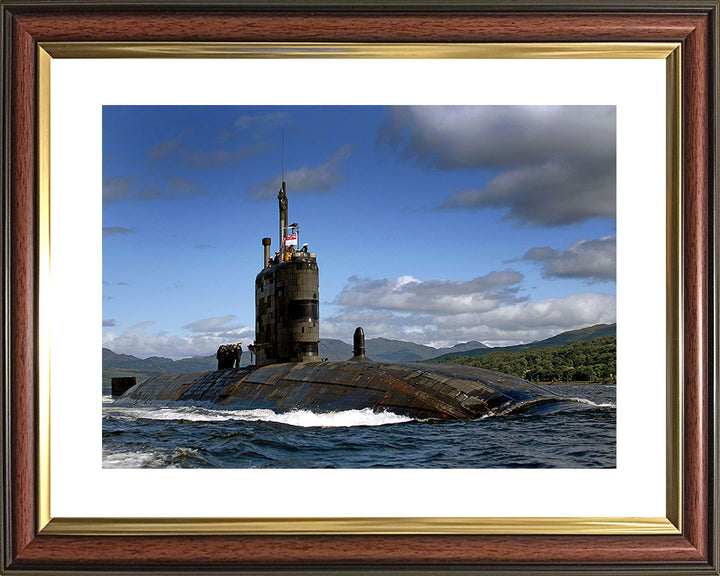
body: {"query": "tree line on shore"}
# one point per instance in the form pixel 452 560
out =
pixel 591 360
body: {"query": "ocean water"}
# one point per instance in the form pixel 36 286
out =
pixel 195 437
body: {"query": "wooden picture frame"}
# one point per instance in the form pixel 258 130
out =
pixel 31 546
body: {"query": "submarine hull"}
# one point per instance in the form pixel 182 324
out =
pixel 411 389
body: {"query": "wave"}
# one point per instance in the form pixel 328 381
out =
pixel 180 457
pixel 133 460
pixel 547 406
pixel 300 418
pixel 346 418
pixel 592 404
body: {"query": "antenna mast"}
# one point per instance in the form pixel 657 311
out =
pixel 282 198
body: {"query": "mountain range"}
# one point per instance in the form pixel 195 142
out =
pixel 380 349
pixel 569 337
pixel 385 350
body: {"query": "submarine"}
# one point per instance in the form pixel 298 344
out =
pixel 288 374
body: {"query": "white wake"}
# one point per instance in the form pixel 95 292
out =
pixel 300 418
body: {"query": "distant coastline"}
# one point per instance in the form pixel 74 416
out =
pixel 581 383
pixel 382 349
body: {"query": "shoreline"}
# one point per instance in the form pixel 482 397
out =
pixel 575 383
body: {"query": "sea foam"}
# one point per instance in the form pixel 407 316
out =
pixel 300 418
pixel 133 460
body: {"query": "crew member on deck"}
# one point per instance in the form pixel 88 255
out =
pixel 220 355
pixel 238 354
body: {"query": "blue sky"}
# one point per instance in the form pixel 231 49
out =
pixel 436 225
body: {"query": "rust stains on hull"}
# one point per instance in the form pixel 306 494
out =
pixel 412 389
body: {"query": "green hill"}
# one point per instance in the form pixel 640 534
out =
pixel 596 331
pixel 579 335
pixel 115 365
pixel 592 360
pixel 334 350
pixel 386 350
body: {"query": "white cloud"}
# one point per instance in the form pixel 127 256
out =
pixel 114 189
pixel 117 230
pixel 204 338
pixel 321 179
pixel 554 165
pixel 552 314
pixel 445 312
pixel 594 260
pixel 546 195
pixel 263 122
pixel 408 294
pixel 216 325
pixel 171 188
pixel 205 159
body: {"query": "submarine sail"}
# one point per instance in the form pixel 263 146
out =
pixel 287 324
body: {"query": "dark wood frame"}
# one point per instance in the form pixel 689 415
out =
pixel 27 23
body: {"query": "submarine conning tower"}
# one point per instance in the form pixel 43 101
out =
pixel 287 326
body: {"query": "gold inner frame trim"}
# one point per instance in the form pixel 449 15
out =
pixel 357 525
pixel 44 362
pixel 609 50
pixel 350 526
pixel 674 311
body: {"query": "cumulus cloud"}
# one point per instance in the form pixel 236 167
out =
pixel 141 341
pixel 256 126
pixel 553 165
pixel 262 122
pixel 322 179
pixel 442 312
pixel 114 189
pixel 509 324
pixel 215 325
pixel 593 260
pixel 164 148
pixel 171 188
pixel 205 159
pixel 117 230
pixel 547 195
pixel 408 294
pixel 108 323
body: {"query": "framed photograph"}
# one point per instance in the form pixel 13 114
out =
pixel 105 103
